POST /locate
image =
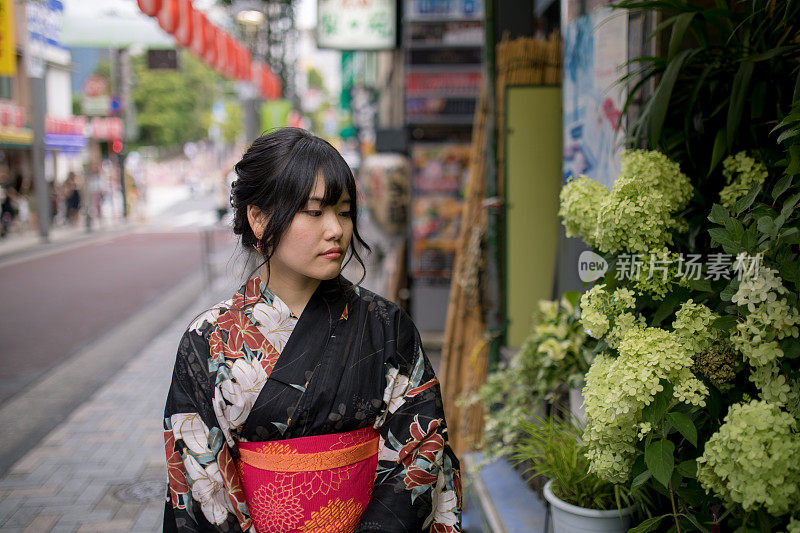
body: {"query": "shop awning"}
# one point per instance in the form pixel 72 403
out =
pixel 16 137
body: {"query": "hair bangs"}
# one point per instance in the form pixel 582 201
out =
pixel 338 180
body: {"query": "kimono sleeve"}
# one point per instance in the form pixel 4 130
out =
pixel 204 490
pixel 418 485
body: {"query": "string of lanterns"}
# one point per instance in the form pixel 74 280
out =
pixel 211 44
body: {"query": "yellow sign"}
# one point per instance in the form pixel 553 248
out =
pixel 8 51
pixel 17 136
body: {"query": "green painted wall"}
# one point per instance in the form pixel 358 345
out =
pixel 532 183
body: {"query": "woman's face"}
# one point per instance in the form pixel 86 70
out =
pixel 317 240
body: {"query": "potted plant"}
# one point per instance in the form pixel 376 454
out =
pixel 580 500
pixel 552 359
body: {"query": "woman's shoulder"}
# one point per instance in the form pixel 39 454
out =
pixel 382 308
pixel 205 322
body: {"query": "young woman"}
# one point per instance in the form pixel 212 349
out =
pixel 305 403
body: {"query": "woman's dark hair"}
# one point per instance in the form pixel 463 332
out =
pixel 276 174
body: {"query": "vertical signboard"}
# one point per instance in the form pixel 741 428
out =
pixel 8 53
pixel 595 49
pixel 357 24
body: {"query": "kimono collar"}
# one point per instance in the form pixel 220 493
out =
pixel 332 293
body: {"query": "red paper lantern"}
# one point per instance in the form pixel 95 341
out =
pixel 232 55
pixel 199 24
pixel 246 63
pixel 149 7
pixel 210 52
pixel 222 52
pixel 183 33
pixel 168 15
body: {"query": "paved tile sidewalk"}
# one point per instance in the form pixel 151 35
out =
pixel 103 469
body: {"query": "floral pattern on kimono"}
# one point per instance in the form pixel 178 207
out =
pixel 248 370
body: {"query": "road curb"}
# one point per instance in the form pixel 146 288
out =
pixel 28 416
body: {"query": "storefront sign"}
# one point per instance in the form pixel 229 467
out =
pixel 357 24
pixel 12 116
pixel 65 134
pixel 12 125
pixel 443 84
pixel 45 19
pixel 443 9
pixel 8 52
pixel 106 128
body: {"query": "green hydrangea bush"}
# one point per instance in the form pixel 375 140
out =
pixel 693 398
pixel 695 391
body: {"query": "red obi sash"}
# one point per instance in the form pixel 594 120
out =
pixel 309 484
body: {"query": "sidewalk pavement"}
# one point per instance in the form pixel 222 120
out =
pixel 102 469
pixel 19 243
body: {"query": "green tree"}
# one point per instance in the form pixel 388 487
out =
pixel 173 106
pixel 232 127
pixel 315 79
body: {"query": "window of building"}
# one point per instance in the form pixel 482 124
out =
pixel 5 87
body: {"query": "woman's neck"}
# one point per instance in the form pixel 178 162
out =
pixel 293 289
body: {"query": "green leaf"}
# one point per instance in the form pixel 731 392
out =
pixel 791 236
pixel 662 96
pixel 682 22
pixel 724 323
pixel 747 200
pixel 789 205
pixel 790 347
pixel 735 228
pixel 641 479
pixel 688 468
pixel 651 524
pixel 780 187
pixel 684 425
pixel 661 403
pixel 718 152
pixel 658 458
pixel 727 293
pixel 766 225
pixel 572 297
pixel 794 160
pixel 701 285
pixel 722 236
pixel 719 215
pixel 788 134
pixel 741 82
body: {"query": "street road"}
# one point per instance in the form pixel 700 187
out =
pixel 55 303
pixel 59 299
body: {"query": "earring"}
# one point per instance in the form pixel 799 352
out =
pixel 257 248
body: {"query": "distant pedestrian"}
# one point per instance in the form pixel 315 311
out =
pixel 305 403
pixel 72 198
pixel 23 211
pixel 7 211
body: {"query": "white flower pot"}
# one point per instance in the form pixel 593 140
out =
pixel 568 518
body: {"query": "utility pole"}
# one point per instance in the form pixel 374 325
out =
pixel 119 91
pixel 35 66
